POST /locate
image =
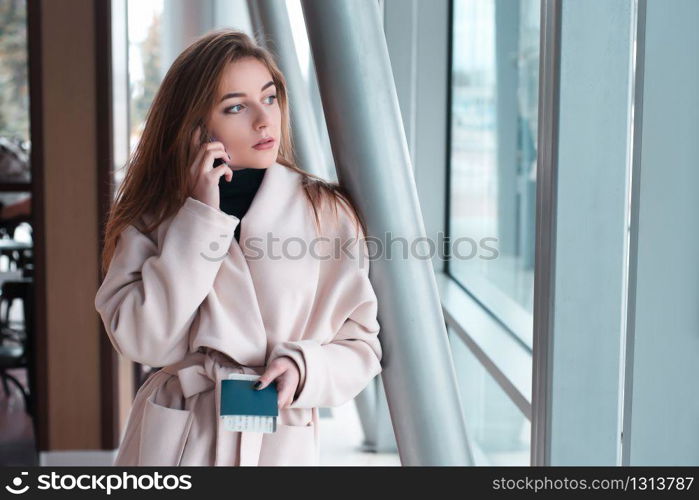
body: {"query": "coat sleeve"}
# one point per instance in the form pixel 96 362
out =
pixel 334 372
pixel 149 296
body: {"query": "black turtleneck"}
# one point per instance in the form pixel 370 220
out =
pixel 237 195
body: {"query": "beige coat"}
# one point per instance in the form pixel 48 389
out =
pixel 191 300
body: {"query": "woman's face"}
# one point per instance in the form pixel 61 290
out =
pixel 246 111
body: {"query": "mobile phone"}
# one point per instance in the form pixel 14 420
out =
pixel 217 161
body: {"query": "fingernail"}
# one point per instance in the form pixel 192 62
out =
pixel 258 384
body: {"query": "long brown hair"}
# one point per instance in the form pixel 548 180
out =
pixel 157 180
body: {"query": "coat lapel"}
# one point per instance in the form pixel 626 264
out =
pixel 247 276
pixel 267 207
pixel 276 238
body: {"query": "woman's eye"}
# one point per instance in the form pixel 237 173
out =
pixel 228 110
pixel 232 107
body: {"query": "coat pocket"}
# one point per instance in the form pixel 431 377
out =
pixel 164 432
pixel 289 445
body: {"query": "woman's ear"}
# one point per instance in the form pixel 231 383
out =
pixel 208 136
pixel 204 133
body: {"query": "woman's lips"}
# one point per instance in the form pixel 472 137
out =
pixel 265 145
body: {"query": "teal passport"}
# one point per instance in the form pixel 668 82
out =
pixel 244 408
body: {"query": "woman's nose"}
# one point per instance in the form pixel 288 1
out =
pixel 262 118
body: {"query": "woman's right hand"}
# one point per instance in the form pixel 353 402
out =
pixel 204 177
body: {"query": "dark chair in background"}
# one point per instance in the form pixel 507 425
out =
pixel 18 257
pixel 17 340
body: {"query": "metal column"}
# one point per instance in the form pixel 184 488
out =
pixel 372 161
pixel 271 20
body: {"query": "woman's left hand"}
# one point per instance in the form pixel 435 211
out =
pixel 284 370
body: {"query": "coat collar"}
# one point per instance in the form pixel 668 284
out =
pixel 278 188
pixel 269 211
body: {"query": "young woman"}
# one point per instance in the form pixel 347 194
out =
pixel 289 299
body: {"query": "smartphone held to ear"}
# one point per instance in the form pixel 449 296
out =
pixel 217 161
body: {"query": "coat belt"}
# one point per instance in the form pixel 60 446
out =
pixel 202 371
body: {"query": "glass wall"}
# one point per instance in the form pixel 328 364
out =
pixel 144 22
pixel 144 55
pixel 494 87
pixel 14 87
pixel 498 431
pixel 15 145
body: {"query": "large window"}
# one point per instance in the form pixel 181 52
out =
pixel 499 433
pixel 495 64
pixel 145 71
pixel 14 85
pixel 15 144
pixel 145 68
